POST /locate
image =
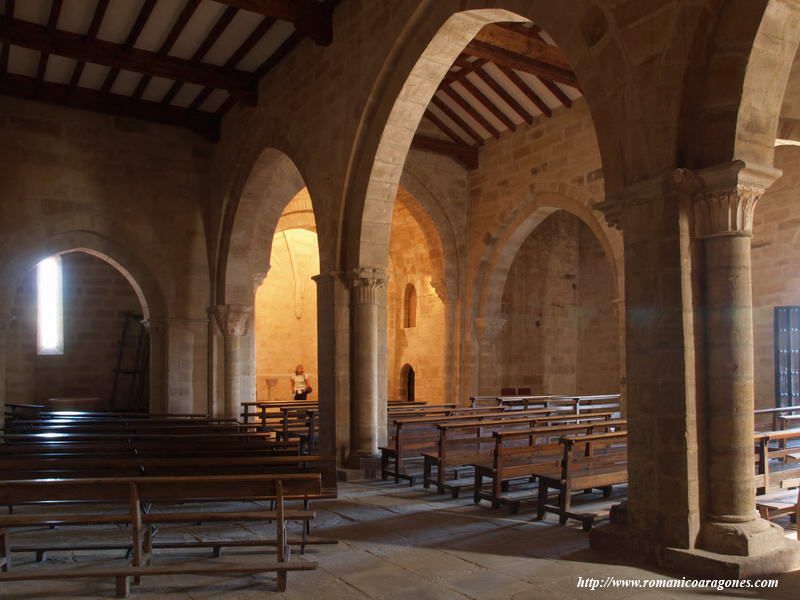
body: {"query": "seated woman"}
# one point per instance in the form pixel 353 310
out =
pixel 301 383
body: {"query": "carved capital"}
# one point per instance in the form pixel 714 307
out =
pixel 440 287
pixel 233 318
pixel 613 207
pixel 259 277
pixel 488 328
pixel 365 284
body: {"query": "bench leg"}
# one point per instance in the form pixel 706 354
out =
pixel 564 504
pixel 477 486
pixel 541 500
pixel 123 586
pixel 5 550
pixel 497 490
pixel 607 491
pixel 426 473
pixel 440 473
pixel 384 465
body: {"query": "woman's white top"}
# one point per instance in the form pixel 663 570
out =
pixel 300 382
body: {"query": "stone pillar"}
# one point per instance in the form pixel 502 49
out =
pixel 159 371
pixel 486 330
pixel 232 320
pixel 723 220
pixel 365 285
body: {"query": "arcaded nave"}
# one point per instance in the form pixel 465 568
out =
pixel 389 299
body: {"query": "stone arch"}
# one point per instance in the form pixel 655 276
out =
pixel 432 39
pixel 135 272
pixel 740 93
pixel 516 229
pixel 250 222
pixel 408 379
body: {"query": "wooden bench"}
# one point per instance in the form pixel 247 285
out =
pixel 518 454
pixel 411 437
pixel 136 492
pixel 602 464
pixel 464 443
pixel 777 472
pixel 773 414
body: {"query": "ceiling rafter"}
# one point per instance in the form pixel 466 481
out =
pixel 471 111
pixel 133 35
pixel 174 33
pixel 526 89
pixel 443 127
pixel 255 36
pixel 94 27
pixel 52 22
pixel 64 43
pixel 453 116
pixel 197 58
pixel 461 77
pixel 309 17
pixel 477 68
pixel 109 103
pixel 524 44
pixel 5 48
pixel 501 56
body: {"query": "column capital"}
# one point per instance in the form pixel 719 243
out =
pixel 440 287
pixel 365 283
pixel 488 328
pixel 727 197
pixel 233 318
pixel 259 277
pixel 615 203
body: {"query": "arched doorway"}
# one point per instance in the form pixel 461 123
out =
pixel 285 310
pixel 408 379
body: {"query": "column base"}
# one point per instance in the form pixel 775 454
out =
pixel 750 538
pixel 360 468
pixel 616 539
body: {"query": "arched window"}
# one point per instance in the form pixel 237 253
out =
pixel 410 307
pixel 408 383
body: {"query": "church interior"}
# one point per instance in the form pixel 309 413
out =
pixel 386 299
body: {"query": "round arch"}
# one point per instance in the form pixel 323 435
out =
pixel 739 96
pixel 135 272
pixel 519 225
pixel 250 222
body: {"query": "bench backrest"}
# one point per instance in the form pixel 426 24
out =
pixel 159 489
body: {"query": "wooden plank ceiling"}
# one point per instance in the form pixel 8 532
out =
pixel 187 62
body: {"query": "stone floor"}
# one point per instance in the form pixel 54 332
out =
pixel 396 542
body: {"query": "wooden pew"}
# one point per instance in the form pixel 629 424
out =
pixel 777 472
pixel 602 464
pixel 464 443
pixel 773 414
pixel 409 437
pixel 520 453
pixel 134 492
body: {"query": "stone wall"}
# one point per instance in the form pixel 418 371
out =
pixel 775 255
pixel 411 261
pixel 286 314
pixel 95 299
pixel 561 334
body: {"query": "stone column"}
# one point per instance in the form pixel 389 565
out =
pixel 159 372
pixel 487 329
pixel 232 320
pixel 724 221
pixel 365 284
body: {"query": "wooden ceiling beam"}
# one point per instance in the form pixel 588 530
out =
pixel 177 28
pixel 64 43
pixel 552 87
pixel 501 91
pixel 197 58
pixel 471 111
pixel 523 43
pixel 309 17
pixel 502 56
pixel 525 89
pixel 461 77
pixel 255 36
pixel 133 35
pixel 453 116
pixel 52 23
pixel 94 27
pixel 108 103
pixel 442 126
pixel 462 153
